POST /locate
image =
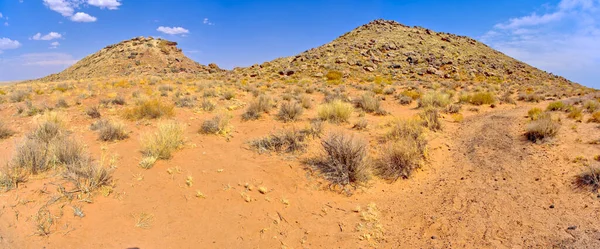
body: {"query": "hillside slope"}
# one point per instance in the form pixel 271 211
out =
pixel 395 51
pixel 136 57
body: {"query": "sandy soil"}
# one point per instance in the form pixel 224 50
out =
pixel 484 186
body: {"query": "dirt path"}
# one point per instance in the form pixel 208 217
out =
pixel 493 189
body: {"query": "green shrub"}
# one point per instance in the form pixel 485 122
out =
pixel 535 113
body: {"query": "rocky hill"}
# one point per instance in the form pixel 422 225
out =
pixel 394 51
pixel 136 57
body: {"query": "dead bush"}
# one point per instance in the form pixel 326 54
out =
pixel 31 156
pixel 86 175
pixel 5 132
pixel 399 159
pixel 369 103
pixel 67 151
pixel 344 159
pixel 542 129
pixel 259 106
pixel 109 130
pixel 431 119
pixel 288 141
pixel 93 112
pixel 290 111
pixel 217 125
pixel 589 179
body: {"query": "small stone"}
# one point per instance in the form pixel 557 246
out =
pixel 262 190
pixel 572 227
pixel 552 206
pixel 433 237
pixel 356 209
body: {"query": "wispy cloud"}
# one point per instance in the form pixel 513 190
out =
pixel 173 30
pixel 54 45
pixel 48 37
pixel 564 40
pixel 207 22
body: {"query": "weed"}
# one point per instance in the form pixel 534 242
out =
pixel 335 112
pixel 162 143
pixel 434 99
pixel 151 109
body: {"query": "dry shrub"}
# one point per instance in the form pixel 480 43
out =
pixel 535 113
pixel 370 104
pixel 595 118
pixel 150 109
pixel 431 119
pixel 290 111
pixel 306 102
pixel 259 106
pixel 217 125
pixel 5 132
pixel 405 100
pixel 162 143
pixel 591 106
pixel 542 129
pixel 361 124
pixel 480 98
pixel 333 75
pixel 575 113
pixel 344 159
pixel 405 151
pixel 184 101
pixel 31 156
pixel 18 96
pixel 556 106
pixel 86 175
pixel 109 130
pixel 93 112
pixel 207 105
pixel 11 177
pixel 67 151
pixel 529 97
pixel 435 100
pixel 589 179
pixel 336 111
pixel 62 103
pixel 228 94
pixel 288 141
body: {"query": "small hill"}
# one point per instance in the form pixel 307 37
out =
pixel 136 57
pixel 393 51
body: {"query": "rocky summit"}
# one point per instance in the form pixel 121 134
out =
pixel 394 51
pixel 136 57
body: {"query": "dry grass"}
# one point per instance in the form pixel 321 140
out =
pixel 542 129
pixel 336 111
pixel 595 117
pixel 218 125
pixel 87 176
pixel 288 141
pixel 589 179
pixel 162 143
pixel 5 132
pixel 431 119
pixel 369 103
pixel 399 159
pixel 435 100
pixel 591 106
pixel 259 106
pixel 344 159
pixel 109 130
pixel 480 98
pixel 290 111
pixel 556 106
pixel 535 113
pixel 150 109
pixel 93 112
pixel 362 124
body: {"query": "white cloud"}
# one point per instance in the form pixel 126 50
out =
pixel 83 17
pixel 207 22
pixel 5 23
pixel 6 44
pixel 54 45
pixel 173 30
pixel 109 4
pixel 0 14
pixel 48 37
pixel 563 41
pixel 64 7
pixel 45 59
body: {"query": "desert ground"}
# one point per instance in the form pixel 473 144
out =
pixel 410 165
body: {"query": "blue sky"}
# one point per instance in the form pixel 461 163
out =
pixel 38 37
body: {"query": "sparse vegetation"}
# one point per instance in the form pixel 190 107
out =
pixel 479 98
pixel 162 143
pixel 535 113
pixel 542 129
pixel 434 100
pixel 595 117
pixel 335 112
pixel 556 106
pixel 109 130
pixel 261 105
pixel 344 159
pixel 4 131
pixel 218 125
pixel 290 111
pixel 150 109
pixel 589 179
pixel 288 141
pixel 370 104
pixel 93 112
pixel 431 119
